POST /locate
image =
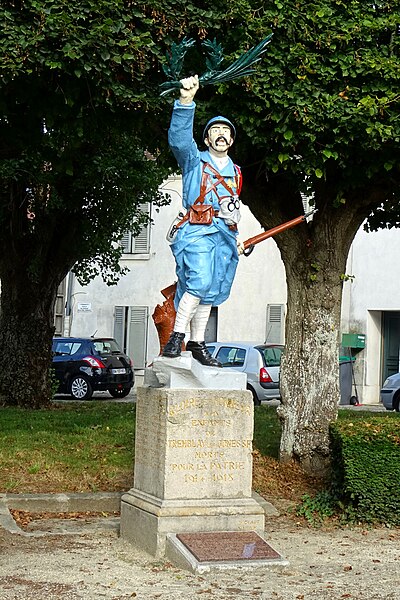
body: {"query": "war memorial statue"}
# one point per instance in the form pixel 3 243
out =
pixel 205 243
pixel 194 423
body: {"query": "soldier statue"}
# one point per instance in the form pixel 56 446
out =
pixel 205 244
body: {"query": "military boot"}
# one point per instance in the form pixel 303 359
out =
pixel 173 347
pixel 200 352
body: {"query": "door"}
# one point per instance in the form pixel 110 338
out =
pixel 391 343
pixel 212 326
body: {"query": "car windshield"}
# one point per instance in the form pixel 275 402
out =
pixel 103 347
pixel 272 355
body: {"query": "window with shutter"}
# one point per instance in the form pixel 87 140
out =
pixel 275 323
pixel 119 326
pixel 59 309
pixel 137 335
pixel 130 331
pixel 126 243
pixel 141 243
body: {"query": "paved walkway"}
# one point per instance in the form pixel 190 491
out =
pixel 84 559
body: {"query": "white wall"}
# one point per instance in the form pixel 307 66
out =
pixel 374 260
pixel 260 280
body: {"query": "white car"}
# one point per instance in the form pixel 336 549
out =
pixel 261 363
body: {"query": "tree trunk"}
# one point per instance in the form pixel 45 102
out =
pixel 26 330
pixel 315 258
pixel 310 366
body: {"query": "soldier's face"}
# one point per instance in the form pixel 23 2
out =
pixel 219 138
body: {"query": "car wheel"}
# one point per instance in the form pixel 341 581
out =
pixel 80 388
pixel 396 402
pixel 119 393
pixel 256 400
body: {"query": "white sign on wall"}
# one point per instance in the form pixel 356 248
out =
pixel 84 307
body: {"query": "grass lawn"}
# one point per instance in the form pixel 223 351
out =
pixel 89 446
pixel 74 447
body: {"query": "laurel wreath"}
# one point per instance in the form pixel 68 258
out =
pixel 242 67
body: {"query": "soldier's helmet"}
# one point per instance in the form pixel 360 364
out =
pixel 219 119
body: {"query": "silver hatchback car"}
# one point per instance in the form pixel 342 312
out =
pixel 261 363
pixel 390 393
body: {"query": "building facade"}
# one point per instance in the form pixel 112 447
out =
pixel 255 310
pixel 371 307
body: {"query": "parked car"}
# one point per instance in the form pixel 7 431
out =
pixel 84 365
pixel 390 393
pixel 261 363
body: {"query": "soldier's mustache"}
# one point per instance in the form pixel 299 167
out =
pixel 221 138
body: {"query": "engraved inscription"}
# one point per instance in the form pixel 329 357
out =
pixel 189 404
pixel 200 443
pixel 208 445
pixel 212 462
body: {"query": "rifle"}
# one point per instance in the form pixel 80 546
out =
pixel 251 242
pixel 164 315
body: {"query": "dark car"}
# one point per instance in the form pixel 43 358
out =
pixel 85 365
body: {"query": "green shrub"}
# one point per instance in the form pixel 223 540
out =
pixel 366 468
pixel 315 509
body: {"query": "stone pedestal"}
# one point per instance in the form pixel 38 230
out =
pixel 193 466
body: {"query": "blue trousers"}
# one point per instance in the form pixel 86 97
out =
pixel 205 266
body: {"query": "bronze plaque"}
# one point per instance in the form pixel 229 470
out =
pixel 227 546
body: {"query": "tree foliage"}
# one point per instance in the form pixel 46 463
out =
pixel 76 145
pixel 79 99
pixel 326 97
pixel 73 102
pixel 80 127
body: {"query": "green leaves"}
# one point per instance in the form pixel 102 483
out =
pixel 329 153
pixel 76 84
pixel 323 103
pixel 241 67
pixel 328 93
pixel 75 38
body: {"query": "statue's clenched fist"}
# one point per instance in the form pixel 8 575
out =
pixel 190 85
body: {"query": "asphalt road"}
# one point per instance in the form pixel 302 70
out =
pixel 98 396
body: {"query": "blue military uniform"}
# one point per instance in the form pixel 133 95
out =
pixel 206 255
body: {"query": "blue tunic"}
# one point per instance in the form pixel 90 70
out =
pixel 206 255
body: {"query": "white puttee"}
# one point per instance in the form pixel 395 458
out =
pixel 186 310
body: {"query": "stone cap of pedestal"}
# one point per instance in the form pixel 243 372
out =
pixel 186 507
pixel 186 372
